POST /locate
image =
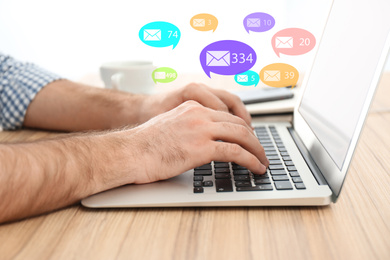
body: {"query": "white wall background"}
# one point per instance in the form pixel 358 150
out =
pixel 73 37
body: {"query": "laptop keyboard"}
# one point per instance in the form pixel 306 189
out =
pixel 228 177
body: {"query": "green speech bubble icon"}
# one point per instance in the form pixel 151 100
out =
pixel 164 75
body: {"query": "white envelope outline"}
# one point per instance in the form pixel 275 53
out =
pixel 271 75
pixel 152 35
pixel 242 78
pixel 159 75
pixel 218 58
pixel 199 22
pixel 253 22
pixel 284 42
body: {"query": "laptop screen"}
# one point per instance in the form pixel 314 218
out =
pixel 342 72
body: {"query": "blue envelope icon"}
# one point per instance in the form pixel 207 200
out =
pixel 152 35
pixel 218 58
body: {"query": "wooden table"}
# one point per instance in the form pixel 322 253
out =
pixel 356 227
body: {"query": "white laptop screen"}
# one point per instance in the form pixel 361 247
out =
pixel 342 72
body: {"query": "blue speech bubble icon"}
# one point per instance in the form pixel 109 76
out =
pixel 248 78
pixel 258 22
pixel 227 57
pixel 160 34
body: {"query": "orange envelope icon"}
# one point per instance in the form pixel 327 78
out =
pixel 199 22
pixel 284 42
pixel 271 75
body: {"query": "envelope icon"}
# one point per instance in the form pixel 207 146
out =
pixel 253 22
pixel 218 58
pixel 242 78
pixel 152 35
pixel 159 75
pixel 199 22
pixel 284 42
pixel 271 75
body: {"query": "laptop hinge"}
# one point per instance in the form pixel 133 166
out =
pixel 309 160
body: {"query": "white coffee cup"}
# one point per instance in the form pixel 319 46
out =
pixel 130 76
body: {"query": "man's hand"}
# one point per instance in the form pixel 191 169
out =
pixel 59 172
pixel 66 105
pixel 216 99
pixel 186 137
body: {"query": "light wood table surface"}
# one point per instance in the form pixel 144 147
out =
pixel 356 227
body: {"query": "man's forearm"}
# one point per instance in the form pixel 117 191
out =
pixel 70 106
pixel 46 175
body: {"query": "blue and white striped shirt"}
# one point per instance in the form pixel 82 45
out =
pixel 19 83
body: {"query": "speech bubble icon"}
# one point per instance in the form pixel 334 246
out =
pixel 279 75
pixel 227 57
pixel 204 22
pixel 164 75
pixel 247 78
pixel 160 34
pixel 293 41
pixel 258 22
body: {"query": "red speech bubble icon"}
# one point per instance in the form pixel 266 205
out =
pixel 293 41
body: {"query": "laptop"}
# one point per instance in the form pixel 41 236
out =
pixel 310 157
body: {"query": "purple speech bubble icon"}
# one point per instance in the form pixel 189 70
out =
pixel 258 22
pixel 227 57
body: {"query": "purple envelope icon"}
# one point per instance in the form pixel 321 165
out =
pixel 218 58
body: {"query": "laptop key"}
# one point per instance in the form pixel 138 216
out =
pixel 221 165
pixel 274 161
pixel 197 184
pixel 284 154
pixel 198 190
pixel 223 185
pixel 242 178
pixel 289 163
pixel 262 181
pixel 203 172
pixel 276 167
pixel 222 170
pixel 294 174
pixel 198 178
pixel 278 172
pixel 265 187
pixel 291 168
pixel 238 167
pixel 208 184
pixel 297 179
pixel 222 176
pixel 204 167
pixel 240 172
pixel 283 185
pixel 286 158
pixel 300 186
pixel 260 176
pixel 273 157
pixel 280 178
pixel 255 188
pixel 242 184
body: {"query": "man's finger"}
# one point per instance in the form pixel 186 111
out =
pixel 238 134
pixel 204 96
pixel 228 152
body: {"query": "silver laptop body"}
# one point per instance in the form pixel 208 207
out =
pixel 337 92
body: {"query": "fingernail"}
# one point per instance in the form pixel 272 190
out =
pixel 263 169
